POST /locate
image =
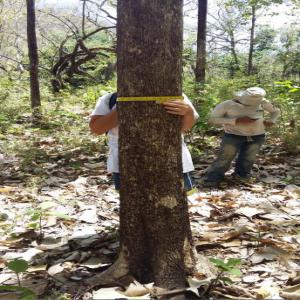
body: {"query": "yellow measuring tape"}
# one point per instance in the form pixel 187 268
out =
pixel 158 99
pixel 192 191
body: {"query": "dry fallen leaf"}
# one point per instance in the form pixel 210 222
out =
pixel 292 292
pixel 136 289
pixel 7 189
pixel 251 278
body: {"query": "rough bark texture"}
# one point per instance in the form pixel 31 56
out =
pixel 33 55
pixel 201 41
pixel 250 58
pixel 154 223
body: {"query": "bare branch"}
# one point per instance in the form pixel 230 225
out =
pixel 65 22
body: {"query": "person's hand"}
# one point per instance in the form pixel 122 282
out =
pixel 177 107
pixel 268 123
pixel 245 120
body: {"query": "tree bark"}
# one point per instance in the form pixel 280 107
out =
pixel 33 56
pixel 201 41
pixel 251 47
pixel 154 221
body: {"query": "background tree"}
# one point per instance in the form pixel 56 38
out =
pixel 154 223
pixel 33 56
pixel 225 33
pixel 201 41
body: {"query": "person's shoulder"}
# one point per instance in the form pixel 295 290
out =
pixel 104 99
pixel 227 103
pixel 185 98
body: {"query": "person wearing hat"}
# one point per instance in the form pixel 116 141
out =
pixel 244 124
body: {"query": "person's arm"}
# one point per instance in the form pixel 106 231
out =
pixel 102 117
pixel 185 109
pixel 273 111
pixel 101 124
pixel 219 116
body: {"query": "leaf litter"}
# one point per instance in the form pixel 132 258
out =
pixel 258 223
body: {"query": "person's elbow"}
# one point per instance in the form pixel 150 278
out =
pixel 94 129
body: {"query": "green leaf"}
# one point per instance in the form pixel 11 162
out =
pixel 294 90
pixel 235 272
pixel 18 265
pixel 219 263
pixel 226 280
pixel 26 294
pixel 33 225
pixel 232 262
pixel 36 215
pixel 47 205
pixel 59 215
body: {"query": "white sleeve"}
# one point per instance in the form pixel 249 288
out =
pixel 270 108
pixel 102 106
pixel 188 101
pixel 218 115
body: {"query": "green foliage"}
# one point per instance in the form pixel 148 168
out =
pixel 18 265
pixel 39 213
pixel 228 266
pixel 24 293
pixel 264 39
pixel 224 268
pixel 286 94
pixel 13 102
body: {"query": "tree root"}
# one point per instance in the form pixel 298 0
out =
pixel 119 269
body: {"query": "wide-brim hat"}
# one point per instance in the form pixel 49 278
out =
pixel 252 96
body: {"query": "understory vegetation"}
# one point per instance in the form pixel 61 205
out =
pixel 54 187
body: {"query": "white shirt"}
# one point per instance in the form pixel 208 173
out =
pixel 102 109
pixel 228 111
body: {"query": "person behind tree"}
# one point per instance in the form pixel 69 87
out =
pixel 243 121
pixel 104 119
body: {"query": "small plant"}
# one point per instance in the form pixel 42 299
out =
pixel 42 211
pixel 19 266
pixel 224 268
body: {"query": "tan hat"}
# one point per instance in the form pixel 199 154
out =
pixel 252 96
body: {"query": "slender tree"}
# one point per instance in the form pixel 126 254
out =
pixel 154 222
pixel 201 41
pixel 33 56
pixel 251 43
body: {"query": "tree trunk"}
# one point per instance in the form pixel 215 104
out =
pixel 236 64
pixel 33 56
pixel 250 58
pixel 201 41
pixel 154 221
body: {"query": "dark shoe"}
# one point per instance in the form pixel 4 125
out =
pixel 243 180
pixel 210 184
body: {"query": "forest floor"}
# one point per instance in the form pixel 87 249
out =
pixel 59 212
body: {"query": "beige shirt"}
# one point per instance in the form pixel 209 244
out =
pixel 227 112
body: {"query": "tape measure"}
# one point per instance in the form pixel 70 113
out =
pixel 158 99
pixel 192 191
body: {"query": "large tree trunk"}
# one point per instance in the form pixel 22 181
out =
pixel 201 41
pixel 154 222
pixel 33 56
pixel 251 47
